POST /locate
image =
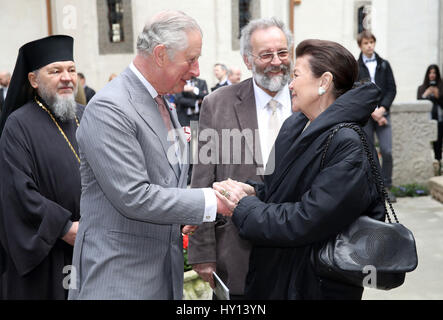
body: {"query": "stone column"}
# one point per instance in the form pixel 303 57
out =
pixel 412 134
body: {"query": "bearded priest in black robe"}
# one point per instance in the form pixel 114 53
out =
pixel 39 170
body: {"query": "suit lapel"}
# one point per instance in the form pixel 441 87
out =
pixel 247 118
pixel 147 108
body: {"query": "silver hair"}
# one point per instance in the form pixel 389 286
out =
pixel 258 24
pixel 169 28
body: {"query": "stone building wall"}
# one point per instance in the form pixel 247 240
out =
pixel 409 32
pixel 412 134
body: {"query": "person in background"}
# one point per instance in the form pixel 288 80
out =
pixel 5 78
pixel 112 76
pixel 189 101
pixel 89 92
pixel 234 75
pixel 377 70
pixel 188 104
pixel 221 73
pixel 80 96
pixel 432 89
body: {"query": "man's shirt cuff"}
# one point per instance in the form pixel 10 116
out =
pixel 210 205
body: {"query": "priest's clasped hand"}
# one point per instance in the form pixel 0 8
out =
pixel 229 193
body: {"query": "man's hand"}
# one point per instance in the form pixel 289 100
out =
pixel 205 271
pixel 188 229
pixel 229 193
pixel 382 122
pixel 69 237
pixel 378 113
pixel 224 206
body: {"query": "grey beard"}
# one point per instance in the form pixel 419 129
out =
pixel 64 109
pixel 275 83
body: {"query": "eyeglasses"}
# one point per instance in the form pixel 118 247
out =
pixel 267 57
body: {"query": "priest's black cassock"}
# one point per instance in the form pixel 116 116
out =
pixel 40 184
pixel 40 193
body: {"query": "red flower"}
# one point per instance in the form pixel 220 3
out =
pixel 185 241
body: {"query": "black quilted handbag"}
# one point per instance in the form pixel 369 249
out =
pixel 369 252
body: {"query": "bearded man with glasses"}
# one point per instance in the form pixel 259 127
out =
pixel 258 105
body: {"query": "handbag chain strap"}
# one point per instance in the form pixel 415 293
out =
pixel 374 169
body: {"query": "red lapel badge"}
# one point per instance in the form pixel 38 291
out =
pixel 187 131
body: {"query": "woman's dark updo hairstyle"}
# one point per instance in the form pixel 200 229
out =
pixel 330 56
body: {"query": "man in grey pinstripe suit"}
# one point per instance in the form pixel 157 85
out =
pixel 134 197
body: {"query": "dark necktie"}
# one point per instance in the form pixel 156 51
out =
pixel 163 111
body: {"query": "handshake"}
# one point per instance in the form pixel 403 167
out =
pixel 229 193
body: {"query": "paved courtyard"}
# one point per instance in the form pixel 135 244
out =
pixel 424 217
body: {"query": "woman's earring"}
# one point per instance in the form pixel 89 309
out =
pixel 321 91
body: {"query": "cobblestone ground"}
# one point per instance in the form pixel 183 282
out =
pixel 424 217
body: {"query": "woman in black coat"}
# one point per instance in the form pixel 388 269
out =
pixel 301 204
pixel 432 89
